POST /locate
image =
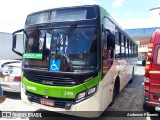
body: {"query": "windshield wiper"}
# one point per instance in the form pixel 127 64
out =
pixel 67 33
pixel 69 62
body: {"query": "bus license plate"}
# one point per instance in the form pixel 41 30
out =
pixel 47 102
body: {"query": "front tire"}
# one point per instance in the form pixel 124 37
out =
pixel 115 92
pixel 148 108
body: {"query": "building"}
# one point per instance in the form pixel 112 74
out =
pixel 142 36
pixel 6 46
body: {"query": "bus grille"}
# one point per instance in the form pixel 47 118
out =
pixel 49 79
pixel 59 102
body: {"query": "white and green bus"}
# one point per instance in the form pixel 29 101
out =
pixel 75 59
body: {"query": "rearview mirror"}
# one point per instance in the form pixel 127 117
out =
pixel 14 38
pixel 14 41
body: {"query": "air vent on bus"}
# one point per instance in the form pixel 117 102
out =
pixel 49 79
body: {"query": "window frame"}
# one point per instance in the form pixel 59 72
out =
pixel 156 55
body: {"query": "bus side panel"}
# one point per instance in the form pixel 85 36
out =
pixel 122 68
pixel 130 63
pixel 108 86
pixel 123 74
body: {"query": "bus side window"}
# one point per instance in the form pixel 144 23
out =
pixel 108 29
pixel 108 50
pixel 111 44
pixel 117 45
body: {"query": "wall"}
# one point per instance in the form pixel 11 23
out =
pixel 6 46
pixel 142 36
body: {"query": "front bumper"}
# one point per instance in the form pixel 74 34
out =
pixel 156 105
pixel 87 108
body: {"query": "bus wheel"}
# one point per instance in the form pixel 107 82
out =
pixel 148 108
pixel 115 92
pixel 131 80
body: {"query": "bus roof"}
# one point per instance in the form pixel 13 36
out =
pixel 98 6
pixel 59 8
pixel 74 13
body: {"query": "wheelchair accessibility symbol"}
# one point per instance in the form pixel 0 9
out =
pixel 55 65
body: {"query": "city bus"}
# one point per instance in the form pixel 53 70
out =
pixel 152 75
pixel 75 59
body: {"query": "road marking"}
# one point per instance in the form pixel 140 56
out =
pixel 148 118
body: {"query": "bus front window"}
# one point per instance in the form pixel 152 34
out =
pixel 79 47
pixel 38 41
pixel 37 48
pixel 76 48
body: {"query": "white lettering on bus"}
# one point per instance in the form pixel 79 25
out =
pixel 68 93
pixel 31 88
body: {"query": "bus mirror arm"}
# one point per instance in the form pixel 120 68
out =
pixel 18 53
pixel 15 40
pixel 21 30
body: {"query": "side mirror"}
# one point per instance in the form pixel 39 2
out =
pixel 14 41
pixel 14 38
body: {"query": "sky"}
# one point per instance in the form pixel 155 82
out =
pixel 129 14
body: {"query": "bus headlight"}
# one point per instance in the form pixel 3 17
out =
pixel 92 90
pixel 83 95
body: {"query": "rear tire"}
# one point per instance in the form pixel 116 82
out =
pixel 131 80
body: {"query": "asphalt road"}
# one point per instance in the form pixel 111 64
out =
pixel 130 100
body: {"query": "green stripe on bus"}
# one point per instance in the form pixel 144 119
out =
pixel 59 91
pixel 33 55
pixel 93 82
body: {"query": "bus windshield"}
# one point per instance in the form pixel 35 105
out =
pixel 76 47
